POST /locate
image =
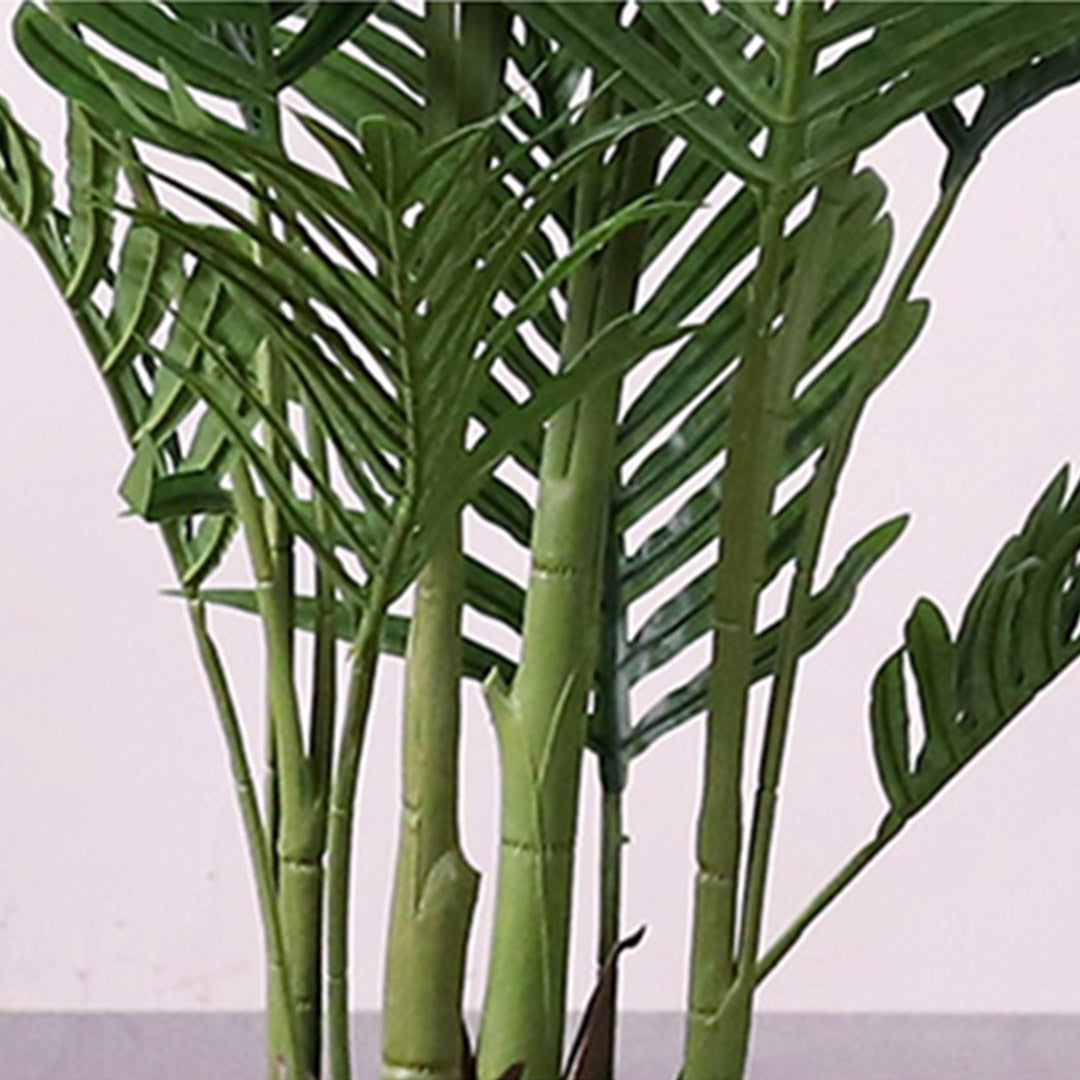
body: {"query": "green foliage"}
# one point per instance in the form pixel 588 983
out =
pixel 532 225
pixel 1017 633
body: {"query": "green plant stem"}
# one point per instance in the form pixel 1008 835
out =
pixel 837 454
pixel 365 655
pixel 541 726
pixel 324 659
pixel 734 1034
pixel 93 332
pixel 434 886
pixel 295 819
pixel 740 574
pixel 611 727
pixel 280 573
pixel 611 843
pixel 300 838
pixel 717 1030
pixel 721 1035
pixel 611 866
pixel 846 875
pixel 541 720
pixel 287 1023
pixel 265 125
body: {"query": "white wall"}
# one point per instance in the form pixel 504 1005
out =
pixel 123 878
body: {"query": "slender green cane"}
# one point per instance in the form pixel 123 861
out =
pixel 324 658
pixel 732 1051
pixel 434 886
pixel 295 820
pixel 755 969
pixel 740 574
pixel 365 655
pixel 756 431
pixel 718 1035
pixel 258 846
pixel 94 332
pixel 611 727
pixel 299 842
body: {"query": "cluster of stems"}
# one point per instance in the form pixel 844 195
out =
pixel 300 832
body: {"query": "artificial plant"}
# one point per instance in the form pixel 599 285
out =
pixel 434 257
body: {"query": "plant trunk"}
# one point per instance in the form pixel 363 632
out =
pixel 541 730
pixel 723 962
pixel 718 1042
pixel 300 893
pixel 541 721
pixel 434 887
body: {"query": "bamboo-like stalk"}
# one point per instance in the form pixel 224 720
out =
pixel 718 1026
pixel 289 1046
pixel 717 1045
pixel 744 513
pixel 93 332
pixel 300 835
pixel 540 721
pixel 718 1009
pixel 612 726
pixel 365 655
pixel 295 820
pixel 324 657
pixel 434 886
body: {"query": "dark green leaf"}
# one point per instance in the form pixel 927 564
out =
pixel 1013 641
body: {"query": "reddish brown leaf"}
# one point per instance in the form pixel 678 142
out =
pixel 593 1050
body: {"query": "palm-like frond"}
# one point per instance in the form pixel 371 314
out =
pixel 226 49
pixel 698 385
pixel 862 68
pixel 1018 632
pixel 397 382
pixel 726 63
pixel 119 279
pixel 778 98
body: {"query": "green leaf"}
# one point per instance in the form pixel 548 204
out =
pixel 479 659
pixel 92 172
pixel 347 90
pixel 183 494
pixel 902 59
pixel 1014 639
pixel 930 649
pixel 204 552
pixel 25 182
pixel 148 277
pixel 889 726
pixel 325 29
pixel 1005 99
pixel 391 152
pixel 685 532
pixel 121 100
pixel 137 486
pixel 147 33
pixel 199 305
pixel 826 610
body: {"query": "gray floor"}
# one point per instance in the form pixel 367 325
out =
pixel 51 1046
